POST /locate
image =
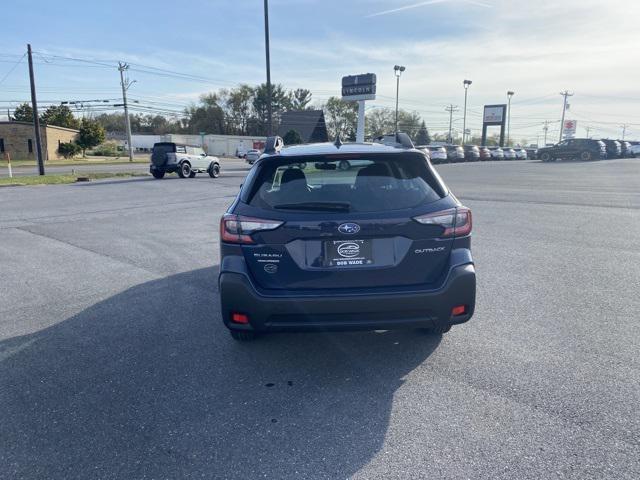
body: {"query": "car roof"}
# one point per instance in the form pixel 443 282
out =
pixel 328 148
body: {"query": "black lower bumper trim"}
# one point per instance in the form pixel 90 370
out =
pixel 288 312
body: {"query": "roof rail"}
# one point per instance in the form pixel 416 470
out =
pixel 398 139
pixel 273 145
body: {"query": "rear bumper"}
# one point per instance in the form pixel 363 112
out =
pixel 289 311
pixel 171 168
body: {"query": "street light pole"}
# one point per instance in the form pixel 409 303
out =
pixel 266 46
pixel 398 69
pixel 466 84
pixel 509 95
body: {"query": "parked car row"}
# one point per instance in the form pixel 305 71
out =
pixel 587 149
pixel 447 153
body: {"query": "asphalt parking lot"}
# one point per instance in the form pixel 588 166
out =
pixel 114 362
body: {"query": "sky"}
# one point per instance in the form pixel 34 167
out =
pixel 180 50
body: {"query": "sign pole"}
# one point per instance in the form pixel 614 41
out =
pixel 360 132
pixel 359 88
pixel 9 164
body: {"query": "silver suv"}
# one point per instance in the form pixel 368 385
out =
pixel 185 160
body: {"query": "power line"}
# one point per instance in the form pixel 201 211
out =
pixel 12 69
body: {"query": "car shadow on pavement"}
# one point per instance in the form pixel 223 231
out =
pixel 148 384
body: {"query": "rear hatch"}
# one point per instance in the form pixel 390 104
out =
pixel 346 228
pixel 160 151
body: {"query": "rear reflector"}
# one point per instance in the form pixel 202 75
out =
pixel 459 310
pixel 239 318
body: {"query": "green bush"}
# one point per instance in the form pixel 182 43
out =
pixel 69 150
pixel 107 149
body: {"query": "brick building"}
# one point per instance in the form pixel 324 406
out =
pixel 18 140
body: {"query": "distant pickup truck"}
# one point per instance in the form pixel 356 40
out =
pixel 185 160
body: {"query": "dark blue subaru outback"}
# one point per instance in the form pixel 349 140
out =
pixel 345 237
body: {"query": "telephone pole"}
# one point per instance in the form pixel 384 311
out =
pixel 565 94
pixel 451 108
pixel 266 47
pixel 546 130
pixel 624 130
pixel 588 130
pixel 125 83
pixel 36 119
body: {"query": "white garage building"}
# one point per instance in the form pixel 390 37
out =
pixel 220 145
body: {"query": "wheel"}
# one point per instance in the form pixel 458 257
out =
pixel 344 165
pixel 158 174
pixel 214 170
pixel 545 157
pixel 586 156
pixel 185 170
pixel 438 330
pixel 192 174
pixel 242 335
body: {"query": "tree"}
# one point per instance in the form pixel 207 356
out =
pixel 422 137
pixel 280 102
pixel 409 122
pixel 341 118
pixel 208 117
pixel 379 121
pixel 59 115
pixel 300 98
pixel 23 113
pixel 239 104
pixel 69 150
pixel 292 137
pixel 91 135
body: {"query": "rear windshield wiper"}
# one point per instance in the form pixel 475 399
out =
pixel 319 206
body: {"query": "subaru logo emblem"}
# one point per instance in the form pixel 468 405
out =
pixel 349 228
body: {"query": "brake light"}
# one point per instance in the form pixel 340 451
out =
pixel 238 229
pixel 456 221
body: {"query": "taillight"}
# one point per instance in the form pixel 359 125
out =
pixel 238 229
pixel 455 221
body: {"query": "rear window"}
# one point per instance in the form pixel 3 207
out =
pixel 164 148
pixel 345 184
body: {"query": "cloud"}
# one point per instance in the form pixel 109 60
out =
pixel 424 4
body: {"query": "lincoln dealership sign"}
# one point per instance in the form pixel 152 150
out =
pixel 359 87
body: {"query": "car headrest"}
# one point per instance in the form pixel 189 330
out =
pixel 292 174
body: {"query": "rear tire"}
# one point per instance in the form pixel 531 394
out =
pixel 344 165
pixel 545 157
pixel 242 335
pixel 185 170
pixel 214 170
pixel 158 174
